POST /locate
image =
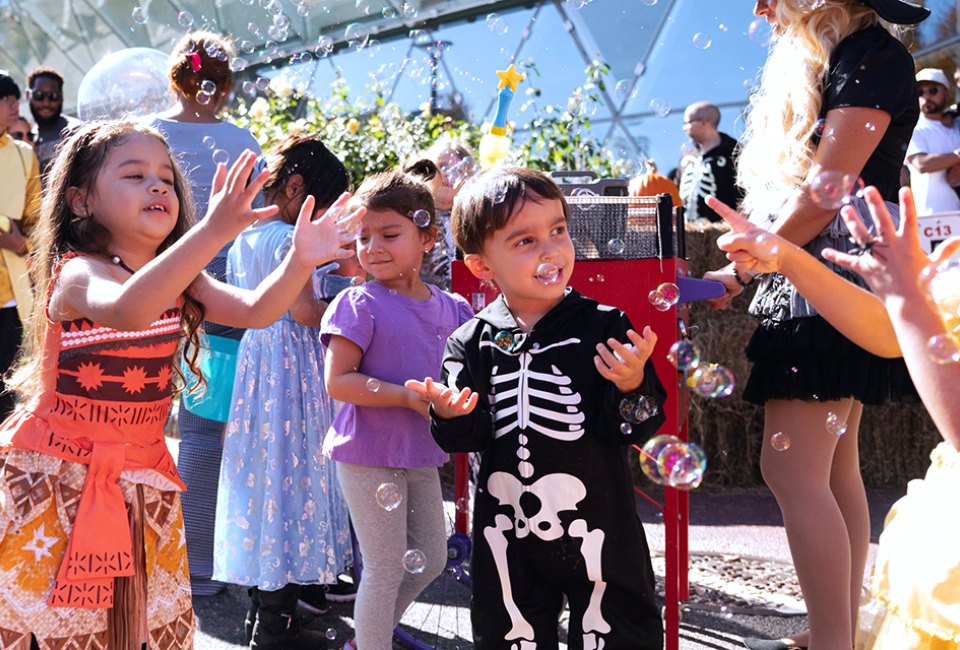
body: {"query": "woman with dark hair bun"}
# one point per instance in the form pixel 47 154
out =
pixel 201 79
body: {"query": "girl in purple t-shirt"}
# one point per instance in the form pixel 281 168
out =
pixel 377 336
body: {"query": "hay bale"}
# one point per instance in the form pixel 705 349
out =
pixel 895 439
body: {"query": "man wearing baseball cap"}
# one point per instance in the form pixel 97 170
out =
pixel 934 148
pixel 19 203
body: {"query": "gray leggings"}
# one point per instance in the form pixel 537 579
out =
pixel 386 588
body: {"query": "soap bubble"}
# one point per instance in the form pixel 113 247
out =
pixel 221 157
pixel 140 15
pixel 810 5
pixel 637 409
pixel 648 3
pixel 659 106
pixel 669 292
pixel 616 246
pixel 549 273
pixel 503 340
pixel 363 6
pixel 389 13
pixel 331 634
pixel 702 41
pixel 421 218
pixel 262 83
pixel 625 428
pixel 831 190
pixel 835 424
pixel 497 24
pixel 208 142
pixel 127 83
pixel 943 350
pixel 208 87
pixel 389 496
pixel 780 441
pixel 414 561
pixel 622 89
pixel 248 88
pixel 682 465
pixel 373 384
pixel 651 452
pixel 684 354
pixel 324 46
pixel 711 380
pixel 355 32
pixel 185 18
pixel 237 64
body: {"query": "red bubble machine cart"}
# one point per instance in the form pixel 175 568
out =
pixel 626 247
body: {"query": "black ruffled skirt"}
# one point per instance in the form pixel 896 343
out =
pixel 808 359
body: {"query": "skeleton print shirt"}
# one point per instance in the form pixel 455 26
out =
pixel 543 407
pixel 711 174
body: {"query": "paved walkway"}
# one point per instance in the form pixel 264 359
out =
pixel 742 582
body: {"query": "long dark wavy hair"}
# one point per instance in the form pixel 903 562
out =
pixel 59 231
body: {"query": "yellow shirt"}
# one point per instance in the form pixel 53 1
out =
pixel 19 195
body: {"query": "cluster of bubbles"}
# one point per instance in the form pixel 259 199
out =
pixel 832 190
pixel 668 460
pixel 635 409
pixel 710 380
pixel 548 273
pixel 665 296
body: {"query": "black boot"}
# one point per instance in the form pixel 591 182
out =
pixel 251 618
pixel 278 627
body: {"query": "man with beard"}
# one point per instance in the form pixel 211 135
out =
pixel 934 151
pixel 45 94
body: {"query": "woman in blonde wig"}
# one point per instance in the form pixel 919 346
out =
pixel 837 99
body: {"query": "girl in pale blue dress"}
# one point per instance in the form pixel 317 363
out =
pixel 281 520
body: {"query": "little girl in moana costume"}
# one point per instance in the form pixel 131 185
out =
pixel 91 532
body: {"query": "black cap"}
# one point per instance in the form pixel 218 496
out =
pixel 8 86
pixel 899 12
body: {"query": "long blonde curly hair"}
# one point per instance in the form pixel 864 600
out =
pixel 778 149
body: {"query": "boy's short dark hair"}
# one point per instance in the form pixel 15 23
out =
pixel 486 203
pixel 397 191
pixel 45 72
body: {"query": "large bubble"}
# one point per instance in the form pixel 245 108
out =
pixel 128 83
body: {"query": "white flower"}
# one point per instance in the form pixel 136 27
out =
pixel 281 86
pixel 259 109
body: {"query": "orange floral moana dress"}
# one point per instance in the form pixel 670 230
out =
pixel 92 548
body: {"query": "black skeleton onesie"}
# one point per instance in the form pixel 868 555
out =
pixel 554 512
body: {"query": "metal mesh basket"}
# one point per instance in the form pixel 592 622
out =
pixel 623 227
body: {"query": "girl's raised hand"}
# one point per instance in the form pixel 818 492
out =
pixel 231 197
pixel 327 237
pixel 622 363
pixel 891 261
pixel 751 248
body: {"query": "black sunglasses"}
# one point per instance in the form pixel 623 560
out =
pixel 929 90
pixel 42 96
pixel 20 135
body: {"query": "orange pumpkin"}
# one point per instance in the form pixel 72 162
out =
pixel 651 184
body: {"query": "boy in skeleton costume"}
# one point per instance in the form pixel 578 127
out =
pixel 535 381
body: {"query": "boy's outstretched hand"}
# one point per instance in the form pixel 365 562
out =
pixel 622 363
pixel 447 402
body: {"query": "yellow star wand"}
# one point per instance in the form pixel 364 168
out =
pixel 495 143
